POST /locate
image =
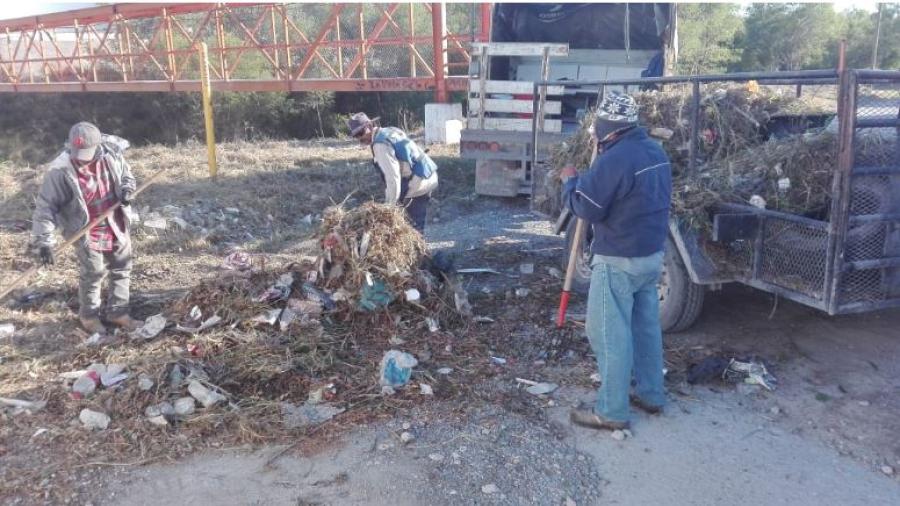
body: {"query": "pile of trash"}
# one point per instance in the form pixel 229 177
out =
pixel 749 371
pixel 371 255
pixel 257 352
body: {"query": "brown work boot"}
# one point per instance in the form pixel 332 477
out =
pixel 591 420
pixel 650 409
pixel 126 322
pixel 92 325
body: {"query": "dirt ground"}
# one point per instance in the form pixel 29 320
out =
pixel 826 435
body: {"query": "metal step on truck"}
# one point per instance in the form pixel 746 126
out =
pixel 843 259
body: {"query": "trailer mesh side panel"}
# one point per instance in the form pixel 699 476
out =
pixel 793 256
pixel 870 268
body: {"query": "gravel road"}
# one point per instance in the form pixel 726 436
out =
pixel 826 436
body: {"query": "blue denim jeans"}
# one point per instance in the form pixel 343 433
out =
pixel 624 332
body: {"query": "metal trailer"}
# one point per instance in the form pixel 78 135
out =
pixel 847 261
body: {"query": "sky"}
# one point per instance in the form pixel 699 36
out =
pixel 12 9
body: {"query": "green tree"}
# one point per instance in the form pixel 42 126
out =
pixel 706 37
pixel 789 36
pixel 859 29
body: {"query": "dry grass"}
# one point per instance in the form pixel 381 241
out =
pixel 371 239
pixel 274 184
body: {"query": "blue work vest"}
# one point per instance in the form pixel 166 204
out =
pixel 406 151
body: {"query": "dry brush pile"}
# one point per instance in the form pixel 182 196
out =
pixel 735 161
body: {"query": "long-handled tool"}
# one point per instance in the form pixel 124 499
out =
pixel 573 263
pixel 70 241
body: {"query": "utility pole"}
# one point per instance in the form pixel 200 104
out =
pixel 877 35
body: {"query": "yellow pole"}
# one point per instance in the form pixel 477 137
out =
pixel 206 91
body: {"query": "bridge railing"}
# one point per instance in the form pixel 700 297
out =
pixel 252 47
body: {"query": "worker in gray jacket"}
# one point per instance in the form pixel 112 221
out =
pixel 87 179
pixel 409 174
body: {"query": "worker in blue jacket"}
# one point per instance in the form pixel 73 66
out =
pixel 409 174
pixel 625 197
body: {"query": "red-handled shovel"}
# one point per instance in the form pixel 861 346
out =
pixel 573 263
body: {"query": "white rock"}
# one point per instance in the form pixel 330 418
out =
pixel 94 419
pixel 158 420
pixel 7 330
pixel 163 408
pixel 155 221
pixel 618 435
pixel 144 382
pixel 204 396
pixel 526 268
pixel 406 425
pixel 864 403
pixel 888 470
pixel 426 389
pixel 758 201
pixel 93 339
pixel 784 184
pixel 627 433
pixel 407 437
pixel 185 406
pixel 490 488
pixel 522 292
pixel 444 370
pixel 437 457
pixel 571 502
pixel 542 388
pixel 556 273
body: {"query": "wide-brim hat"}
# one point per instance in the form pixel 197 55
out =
pixel 358 122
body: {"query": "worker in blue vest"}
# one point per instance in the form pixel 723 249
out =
pixel 409 174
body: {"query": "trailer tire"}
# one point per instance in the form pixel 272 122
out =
pixel 680 299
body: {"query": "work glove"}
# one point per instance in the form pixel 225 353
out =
pixel 45 253
pixel 126 197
